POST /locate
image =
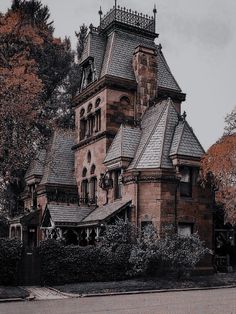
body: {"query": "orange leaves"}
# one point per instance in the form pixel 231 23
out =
pixel 14 23
pixel 220 161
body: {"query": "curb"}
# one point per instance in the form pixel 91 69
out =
pixel 90 295
pixel 11 300
pixel 71 295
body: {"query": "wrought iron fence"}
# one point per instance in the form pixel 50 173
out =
pixel 128 17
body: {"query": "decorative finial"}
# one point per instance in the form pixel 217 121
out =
pixel 155 9
pixel 100 13
pixel 182 117
pixel 155 16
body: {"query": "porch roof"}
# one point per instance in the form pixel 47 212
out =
pixel 63 214
pixel 105 212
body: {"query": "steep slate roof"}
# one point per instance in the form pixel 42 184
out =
pixel 113 56
pixel 165 77
pixel 119 53
pixel 124 143
pixel 59 165
pixel 37 165
pixel 94 47
pixel 185 143
pixel 63 213
pixel 164 135
pixel 106 211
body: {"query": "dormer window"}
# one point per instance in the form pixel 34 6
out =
pixel 88 74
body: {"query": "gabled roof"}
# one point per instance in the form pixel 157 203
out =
pixel 63 214
pixel 124 144
pixel 37 165
pixel 164 135
pixel 59 164
pixel 185 142
pixel 158 125
pixel 107 211
pixel 66 214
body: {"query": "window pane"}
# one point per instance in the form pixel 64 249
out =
pixel 185 230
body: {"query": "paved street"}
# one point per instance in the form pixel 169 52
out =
pixel 191 302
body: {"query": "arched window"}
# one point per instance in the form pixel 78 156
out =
pixel 97 102
pixel 85 192
pixel 93 168
pixel 82 112
pixel 89 157
pixel 93 190
pixel 90 106
pixel 84 172
pixel 125 100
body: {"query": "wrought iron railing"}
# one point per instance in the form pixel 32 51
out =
pixel 128 17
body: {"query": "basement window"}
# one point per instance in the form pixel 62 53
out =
pixel 185 229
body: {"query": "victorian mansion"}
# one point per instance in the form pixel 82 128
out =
pixel 132 154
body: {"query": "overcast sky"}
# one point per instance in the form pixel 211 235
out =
pixel 198 39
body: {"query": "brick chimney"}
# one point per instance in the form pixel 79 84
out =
pixel 145 69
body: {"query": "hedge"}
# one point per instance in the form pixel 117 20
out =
pixel 62 264
pixel 10 257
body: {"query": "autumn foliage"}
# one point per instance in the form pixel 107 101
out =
pixel 219 166
pixel 33 65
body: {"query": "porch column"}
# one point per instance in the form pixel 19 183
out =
pixel 87 235
pixel 98 229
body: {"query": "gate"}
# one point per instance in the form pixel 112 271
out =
pixel 29 272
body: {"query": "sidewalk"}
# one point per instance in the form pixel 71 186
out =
pixel 132 286
pixel 146 284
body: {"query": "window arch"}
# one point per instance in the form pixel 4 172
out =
pixel 90 106
pixel 97 102
pixel 82 111
pixel 84 172
pixel 124 100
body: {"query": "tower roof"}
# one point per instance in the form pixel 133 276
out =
pixel 124 144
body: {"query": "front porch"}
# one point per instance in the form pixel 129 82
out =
pixel 78 225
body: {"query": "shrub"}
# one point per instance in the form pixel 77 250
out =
pixel 10 256
pixel 4 228
pixel 51 253
pixel 171 253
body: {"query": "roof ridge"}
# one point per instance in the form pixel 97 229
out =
pixel 165 129
pixel 110 52
pixel 151 133
pixel 180 138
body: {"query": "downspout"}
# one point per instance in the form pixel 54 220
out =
pixel 175 208
pixel 176 200
pixel 137 197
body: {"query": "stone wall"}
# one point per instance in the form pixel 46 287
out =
pixel 145 69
